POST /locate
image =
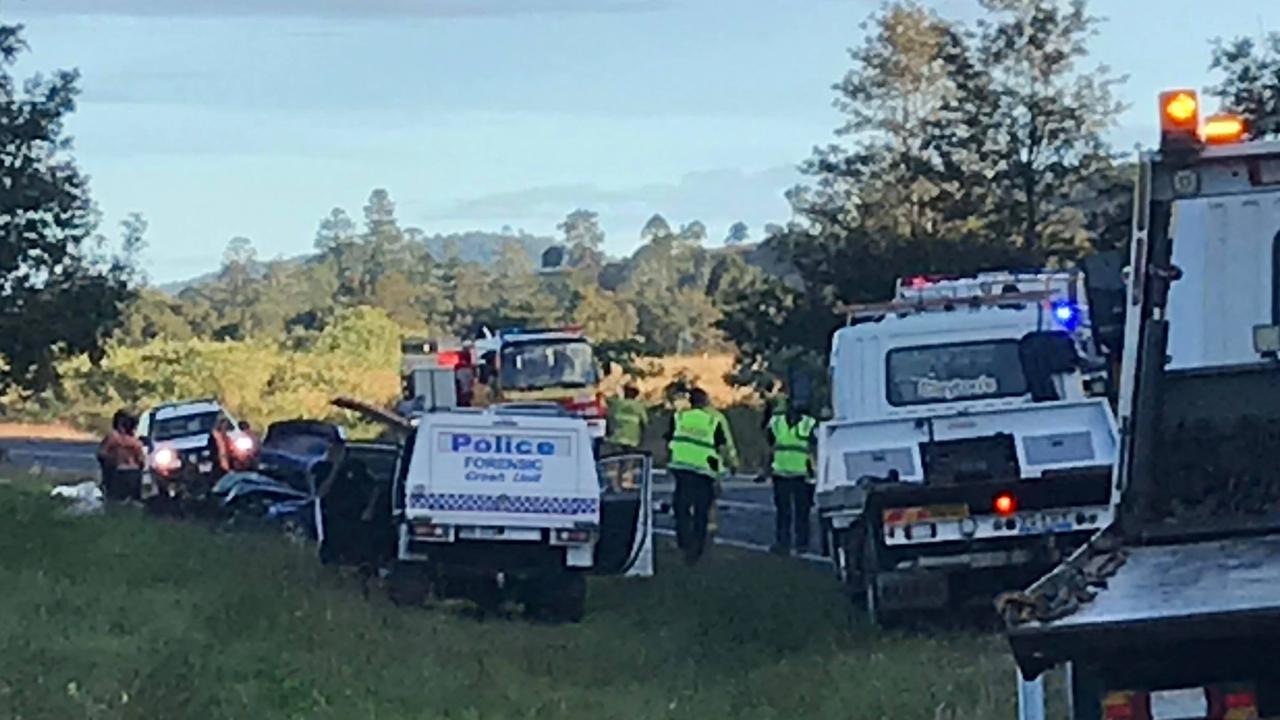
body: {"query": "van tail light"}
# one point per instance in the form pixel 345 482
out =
pixel 572 536
pixel 430 531
pixel 1232 702
pixel 1126 706
pixel 588 407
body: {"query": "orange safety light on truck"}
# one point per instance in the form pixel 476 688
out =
pixel 1222 129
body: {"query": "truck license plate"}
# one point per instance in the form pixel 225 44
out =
pixel 1047 522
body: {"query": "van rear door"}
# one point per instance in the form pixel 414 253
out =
pixel 512 470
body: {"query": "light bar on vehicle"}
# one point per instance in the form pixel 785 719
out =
pixel 903 307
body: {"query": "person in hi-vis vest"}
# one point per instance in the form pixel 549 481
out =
pixel 697 441
pixel 792 440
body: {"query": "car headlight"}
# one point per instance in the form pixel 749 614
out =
pixel 165 459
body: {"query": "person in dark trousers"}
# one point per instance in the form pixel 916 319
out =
pixel 697 442
pixel 104 454
pixel 792 441
pixel 122 457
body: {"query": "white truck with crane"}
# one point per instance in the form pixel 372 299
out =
pixel 1173 612
pixel 965 455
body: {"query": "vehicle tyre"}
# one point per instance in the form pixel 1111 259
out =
pixel 868 572
pixel 839 557
pixel 871 599
pixel 408 585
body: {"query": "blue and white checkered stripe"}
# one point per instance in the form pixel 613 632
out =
pixel 522 504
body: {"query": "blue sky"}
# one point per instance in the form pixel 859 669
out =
pixel 217 118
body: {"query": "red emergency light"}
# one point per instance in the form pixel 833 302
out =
pixel 449 358
pixel 1005 504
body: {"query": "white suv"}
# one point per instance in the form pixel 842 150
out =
pixel 178 442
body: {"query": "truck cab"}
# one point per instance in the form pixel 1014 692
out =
pixel 966 454
pixel 1174 610
pixel 553 365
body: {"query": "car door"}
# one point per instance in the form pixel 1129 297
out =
pixel 625 546
pixel 354 515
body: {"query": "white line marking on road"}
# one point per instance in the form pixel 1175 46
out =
pixel 741 505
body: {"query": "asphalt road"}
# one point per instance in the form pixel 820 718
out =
pixel 745 508
pixel 746 515
pixel 57 455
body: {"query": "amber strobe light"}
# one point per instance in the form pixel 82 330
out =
pixel 1179 115
pixel 1222 129
pixel 1005 503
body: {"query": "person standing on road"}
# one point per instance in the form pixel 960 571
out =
pixel 792 439
pixel 730 462
pixel 697 441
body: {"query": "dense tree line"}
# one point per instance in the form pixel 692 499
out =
pixel 658 297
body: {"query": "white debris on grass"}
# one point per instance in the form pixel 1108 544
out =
pixel 85 498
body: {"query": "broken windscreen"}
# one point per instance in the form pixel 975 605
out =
pixel 950 373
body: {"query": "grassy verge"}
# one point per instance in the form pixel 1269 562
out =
pixel 122 616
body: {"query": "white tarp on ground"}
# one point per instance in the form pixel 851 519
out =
pixel 84 498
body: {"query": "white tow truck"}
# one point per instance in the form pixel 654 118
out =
pixel 1173 612
pixel 965 455
pixel 508 503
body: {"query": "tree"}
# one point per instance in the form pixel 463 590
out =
pixel 337 242
pixel 581 228
pixel 1251 81
pixel 738 233
pixel 60 293
pixel 964 149
pixel 238 294
pixel 1047 118
pixel 693 232
pixel 656 227
pixel 583 238
pixel 385 249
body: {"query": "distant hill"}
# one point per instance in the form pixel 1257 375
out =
pixel 474 246
pixel 483 247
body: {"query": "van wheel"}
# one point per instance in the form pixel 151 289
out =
pixel 408 585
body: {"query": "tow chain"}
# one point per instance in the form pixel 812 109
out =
pixel 1063 592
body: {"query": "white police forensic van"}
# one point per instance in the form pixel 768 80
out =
pixel 506 503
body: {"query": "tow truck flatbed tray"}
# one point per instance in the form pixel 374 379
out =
pixel 1165 594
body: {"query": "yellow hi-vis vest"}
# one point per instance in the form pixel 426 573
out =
pixel 729 453
pixel 693 443
pixel 791 445
pixel 627 419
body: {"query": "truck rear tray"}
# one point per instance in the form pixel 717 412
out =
pixel 1161 595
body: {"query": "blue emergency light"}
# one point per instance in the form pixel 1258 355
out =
pixel 1067 315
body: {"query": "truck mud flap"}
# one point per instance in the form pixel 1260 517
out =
pixel 912 590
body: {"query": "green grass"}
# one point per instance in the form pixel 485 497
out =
pixel 124 616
